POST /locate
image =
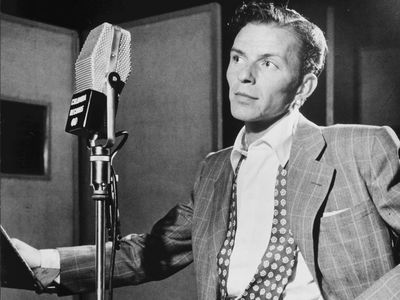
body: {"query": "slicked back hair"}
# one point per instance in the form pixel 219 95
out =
pixel 313 43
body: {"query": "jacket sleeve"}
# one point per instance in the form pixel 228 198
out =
pixel 385 192
pixel 142 257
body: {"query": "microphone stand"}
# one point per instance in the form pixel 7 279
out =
pixel 100 170
pixel 100 173
pixel 96 121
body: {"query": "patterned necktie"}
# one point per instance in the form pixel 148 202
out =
pixel 276 264
pixel 224 254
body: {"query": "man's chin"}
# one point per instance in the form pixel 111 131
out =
pixel 243 115
pixel 257 121
pixel 241 118
pixel 246 117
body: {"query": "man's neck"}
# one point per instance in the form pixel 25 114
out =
pixel 255 130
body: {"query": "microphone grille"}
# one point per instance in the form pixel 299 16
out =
pixel 93 63
pixel 123 67
pixel 93 59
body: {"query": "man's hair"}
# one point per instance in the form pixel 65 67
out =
pixel 313 44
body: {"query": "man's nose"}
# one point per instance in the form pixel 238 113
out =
pixel 246 74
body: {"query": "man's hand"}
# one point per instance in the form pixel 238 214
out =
pixel 31 255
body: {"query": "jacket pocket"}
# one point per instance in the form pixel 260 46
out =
pixel 347 215
pixel 354 247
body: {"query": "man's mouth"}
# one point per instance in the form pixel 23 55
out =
pixel 242 94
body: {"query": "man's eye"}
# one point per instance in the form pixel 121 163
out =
pixel 235 58
pixel 269 64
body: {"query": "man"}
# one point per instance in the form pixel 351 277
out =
pixel 292 210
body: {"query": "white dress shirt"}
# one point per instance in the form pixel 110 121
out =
pixel 255 207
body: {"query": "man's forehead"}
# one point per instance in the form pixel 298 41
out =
pixel 270 39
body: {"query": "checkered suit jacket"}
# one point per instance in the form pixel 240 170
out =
pixel 343 208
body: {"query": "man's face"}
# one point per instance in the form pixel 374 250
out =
pixel 263 72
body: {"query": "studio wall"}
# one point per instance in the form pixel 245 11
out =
pixel 171 107
pixel 37 67
pixel 379 86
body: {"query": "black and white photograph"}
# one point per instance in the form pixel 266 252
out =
pixel 200 150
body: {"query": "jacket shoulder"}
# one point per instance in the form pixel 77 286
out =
pixel 342 132
pixel 360 141
pixel 223 153
pixel 215 162
pixel 218 157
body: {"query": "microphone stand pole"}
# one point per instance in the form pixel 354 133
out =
pixel 100 165
pixel 100 162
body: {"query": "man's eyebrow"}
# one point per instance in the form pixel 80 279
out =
pixel 238 51
pixel 262 56
pixel 268 55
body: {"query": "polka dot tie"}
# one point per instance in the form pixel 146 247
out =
pixel 276 264
pixel 223 257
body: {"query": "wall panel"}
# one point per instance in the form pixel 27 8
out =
pixel 379 73
pixel 171 107
pixel 37 67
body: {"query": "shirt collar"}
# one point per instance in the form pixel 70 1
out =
pixel 279 137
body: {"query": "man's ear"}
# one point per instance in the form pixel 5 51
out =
pixel 306 88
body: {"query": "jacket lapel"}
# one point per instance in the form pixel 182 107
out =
pixel 220 203
pixel 309 182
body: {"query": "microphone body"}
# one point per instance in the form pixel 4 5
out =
pixel 107 50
